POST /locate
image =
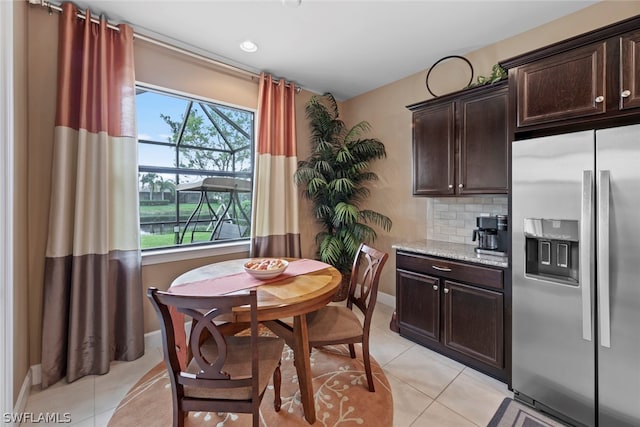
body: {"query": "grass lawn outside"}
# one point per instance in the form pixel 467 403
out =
pixel 170 209
pixel 148 241
pixel 166 214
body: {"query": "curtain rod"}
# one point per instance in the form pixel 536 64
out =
pixel 53 6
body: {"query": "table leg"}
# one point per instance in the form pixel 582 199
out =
pixel 303 367
pixel 298 339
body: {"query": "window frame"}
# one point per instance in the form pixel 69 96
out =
pixel 204 248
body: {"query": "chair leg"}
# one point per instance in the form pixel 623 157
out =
pixel 178 413
pixel 277 380
pixel 352 351
pixel 178 417
pixel 367 364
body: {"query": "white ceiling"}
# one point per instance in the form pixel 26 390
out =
pixel 343 47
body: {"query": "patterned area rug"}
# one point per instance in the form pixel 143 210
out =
pixel 340 392
pixel 515 414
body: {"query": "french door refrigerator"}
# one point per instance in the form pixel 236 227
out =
pixel 576 275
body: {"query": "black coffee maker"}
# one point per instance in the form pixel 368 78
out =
pixel 492 235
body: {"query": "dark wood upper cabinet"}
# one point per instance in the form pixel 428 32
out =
pixel 460 143
pixel 483 141
pixel 562 86
pixel 434 150
pixel 629 70
pixel 588 81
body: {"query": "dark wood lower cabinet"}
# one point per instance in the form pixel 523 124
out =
pixel 459 312
pixel 473 322
pixel 419 297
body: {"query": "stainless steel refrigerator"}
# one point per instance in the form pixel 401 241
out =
pixel 576 275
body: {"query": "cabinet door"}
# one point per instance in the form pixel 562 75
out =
pixel 473 322
pixel 629 70
pixel 484 143
pixel 418 305
pixel 434 150
pixel 563 86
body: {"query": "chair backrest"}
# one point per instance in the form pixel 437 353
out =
pixel 365 275
pixel 208 314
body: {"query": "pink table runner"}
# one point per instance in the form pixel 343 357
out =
pixel 235 282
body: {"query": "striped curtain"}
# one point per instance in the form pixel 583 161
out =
pixel 275 225
pixel 92 287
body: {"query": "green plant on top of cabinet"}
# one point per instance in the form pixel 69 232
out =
pixel 461 143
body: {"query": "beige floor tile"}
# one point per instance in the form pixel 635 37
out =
pixel 419 368
pixel 438 415
pixel 474 397
pixel 408 403
pixel 385 346
pixel 89 422
pixel 111 388
pixel 381 316
pixel 102 420
pixel 416 375
pixel 76 399
pixel 499 386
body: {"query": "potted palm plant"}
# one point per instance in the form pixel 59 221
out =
pixel 334 178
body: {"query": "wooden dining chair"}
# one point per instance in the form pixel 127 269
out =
pixel 225 373
pixel 337 324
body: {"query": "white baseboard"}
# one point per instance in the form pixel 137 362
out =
pixel 36 374
pixel 152 339
pixel 23 396
pixel 387 299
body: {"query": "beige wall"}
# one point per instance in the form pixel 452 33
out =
pixel 42 48
pixel 20 209
pixel 165 68
pixel 384 108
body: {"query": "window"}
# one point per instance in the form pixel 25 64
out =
pixel 195 170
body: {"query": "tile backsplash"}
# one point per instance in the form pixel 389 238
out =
pixel 453 219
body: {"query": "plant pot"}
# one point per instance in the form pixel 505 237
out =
pixel 343 291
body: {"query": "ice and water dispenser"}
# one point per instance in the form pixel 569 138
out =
pixel 552 250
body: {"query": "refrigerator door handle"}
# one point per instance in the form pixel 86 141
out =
pixel 603 258
pixel 586 222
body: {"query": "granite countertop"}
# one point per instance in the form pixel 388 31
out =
pixel 458 251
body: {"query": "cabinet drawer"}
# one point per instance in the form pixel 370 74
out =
pixel 483 276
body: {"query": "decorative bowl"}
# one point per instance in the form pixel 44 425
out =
pixel 265 268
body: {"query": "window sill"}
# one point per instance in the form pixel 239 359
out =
pixel 160 256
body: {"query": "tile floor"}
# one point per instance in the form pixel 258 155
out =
pixel 428 388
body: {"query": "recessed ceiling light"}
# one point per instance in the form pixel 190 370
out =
pixel 248 46
pixel 291 3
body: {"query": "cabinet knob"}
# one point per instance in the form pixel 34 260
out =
pixel 599 99
pixel 460 185
pixel 446 290
pixel 625 93
pixel 450 185
pixel 435 287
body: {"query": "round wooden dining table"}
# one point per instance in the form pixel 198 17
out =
pixel 306 286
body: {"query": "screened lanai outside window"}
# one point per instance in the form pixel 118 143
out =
pixel 195 170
